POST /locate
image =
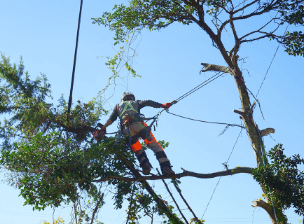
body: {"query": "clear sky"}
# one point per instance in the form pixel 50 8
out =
pixel 44 33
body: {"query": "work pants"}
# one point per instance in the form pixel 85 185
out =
pixel 141 130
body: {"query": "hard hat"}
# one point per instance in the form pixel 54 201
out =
pixel 127 95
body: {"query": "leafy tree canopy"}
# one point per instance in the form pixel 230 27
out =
pixel 212 16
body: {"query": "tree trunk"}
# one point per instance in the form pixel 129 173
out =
pixel 254 134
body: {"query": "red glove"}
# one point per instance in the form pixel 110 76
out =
pixel 166 105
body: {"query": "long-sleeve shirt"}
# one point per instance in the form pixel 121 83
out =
pixel 137 105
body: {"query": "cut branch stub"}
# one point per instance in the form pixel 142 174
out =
pixel 266 131
pixel 217 68
pixel 268 208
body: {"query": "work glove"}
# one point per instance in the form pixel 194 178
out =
pixel 168 105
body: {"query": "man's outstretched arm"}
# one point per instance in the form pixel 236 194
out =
pixel 108 123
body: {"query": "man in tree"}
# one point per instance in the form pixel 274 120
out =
pixel 128 110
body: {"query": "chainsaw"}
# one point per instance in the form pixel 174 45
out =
pixel 99 134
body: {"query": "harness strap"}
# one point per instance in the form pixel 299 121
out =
pixel 127 107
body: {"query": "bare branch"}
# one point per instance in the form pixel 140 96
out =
pixel 96 208
pixel 237 41
pixel 256 31
pixel 267 207
pixel 250 15
pixel 266 34
pixel 246 6
pixel 239 112
pixel 185 173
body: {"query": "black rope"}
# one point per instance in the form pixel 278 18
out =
pixel 269 67
pixel 267 70
pixel 74 64
pixel 221 177
pixel 210 122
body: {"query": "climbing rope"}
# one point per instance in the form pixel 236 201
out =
pixel 269 67
pixel 212 78
pixel 210 122
pixel 267 71
pixel 221 177
pixel 74 64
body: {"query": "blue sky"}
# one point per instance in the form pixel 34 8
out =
pixel 44 33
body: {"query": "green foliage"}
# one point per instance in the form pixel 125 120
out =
pixel 52 170
pixel 151 14
pixel 194 221
pixel 292 11
pixel 59 220
pixel 24 101
pixel 283 178
pixel 294 43
pixel 128 21
pixel 53 162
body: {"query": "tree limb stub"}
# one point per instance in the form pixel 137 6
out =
pixel 266 131
pixel 239 112
pixel 267 207
pixel 217 68
pixel 185 173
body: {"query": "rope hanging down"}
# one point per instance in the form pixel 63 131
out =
pixel 226 163
pixel 74 64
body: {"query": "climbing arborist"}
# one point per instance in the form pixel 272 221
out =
pixel 128 110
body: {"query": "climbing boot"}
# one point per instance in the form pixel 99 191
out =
pixel 166 168
pixel 146 168
pixel 143 161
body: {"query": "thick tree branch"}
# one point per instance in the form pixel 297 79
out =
pixel 185 173
pixel 267 131
pixel 256 31
pixel 237 42
pixel 96 208
pixel 268 208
